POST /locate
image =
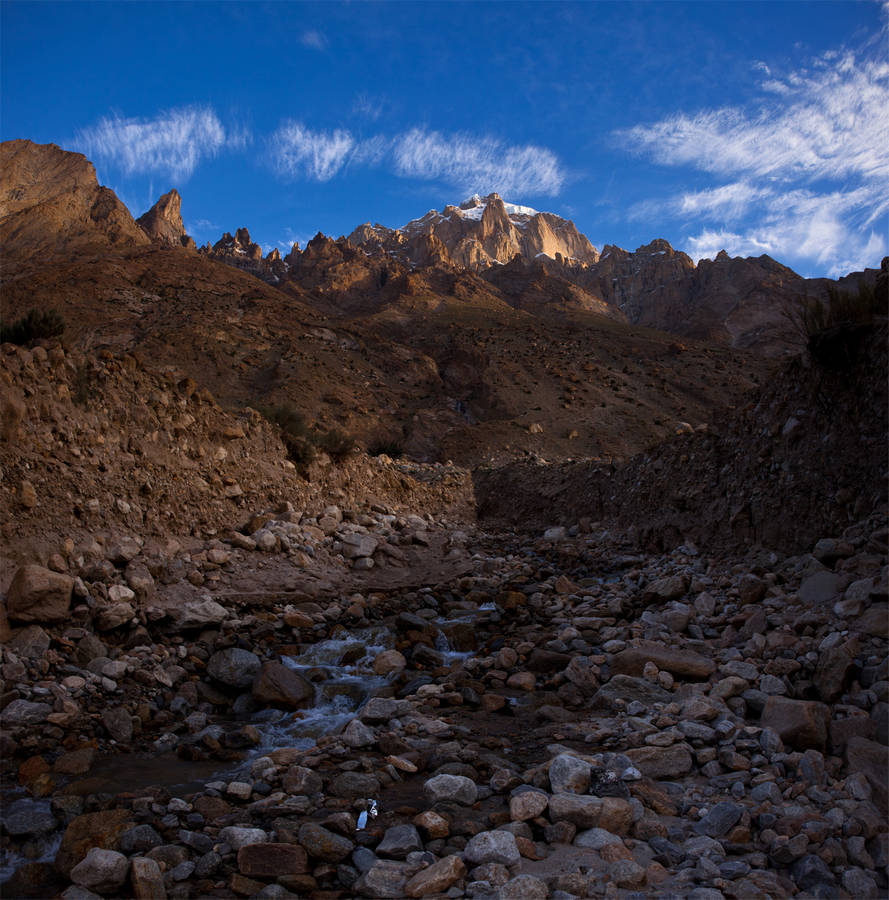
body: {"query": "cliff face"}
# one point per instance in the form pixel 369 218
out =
pixel 163 222
pixel 482 232
pixel 51 202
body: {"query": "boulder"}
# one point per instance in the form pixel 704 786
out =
pixel 281 687
pixel 675 660
pixel 104 871
pixel 803 724
pixel 661 762
pixel 234 667
pixel 492 847
pixel 269 860
pixel 39 595
pixel 437 878
pixel 453 788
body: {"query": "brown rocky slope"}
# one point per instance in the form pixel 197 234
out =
pixel 806 454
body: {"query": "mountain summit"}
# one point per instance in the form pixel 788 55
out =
pixel 480 233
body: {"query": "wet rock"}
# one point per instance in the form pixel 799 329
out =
pixel 234 667
pixel 388 662
pixel 20 713
pixel 352 785
pixel 103 871
pixel 29 822
pixel 492 846
pixel 147 879
pixel 101 829
pixel 398 841
pixel 270 860
pixel 281 687
pixel 437 878
pixel 454 788
pixel 39 595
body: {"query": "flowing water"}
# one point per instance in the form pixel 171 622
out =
pixel 341 668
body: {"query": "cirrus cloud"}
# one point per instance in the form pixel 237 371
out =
pixel 172 143
pixel 470 163
pixel 809 167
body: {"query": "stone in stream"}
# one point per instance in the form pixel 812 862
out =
pixel 234 667
pixel 101 829
pixel 103 871
pixel 277 685
pixel 28 822
pixel 147 879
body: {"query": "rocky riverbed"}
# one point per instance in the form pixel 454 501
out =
pixel 555 716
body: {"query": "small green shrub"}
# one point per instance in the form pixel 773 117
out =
pixel 336 444
pixel 32 327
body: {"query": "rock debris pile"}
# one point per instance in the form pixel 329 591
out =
pixel 566 718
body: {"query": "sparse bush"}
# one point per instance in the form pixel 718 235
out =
pixel 295 433
pixel 32 327
pixel 336 444
pixel 829 327
pixel 389 446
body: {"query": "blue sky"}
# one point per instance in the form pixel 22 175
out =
pixel 758 127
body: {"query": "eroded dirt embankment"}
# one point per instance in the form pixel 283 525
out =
pixel 804 457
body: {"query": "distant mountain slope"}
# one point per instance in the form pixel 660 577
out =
pixel 434 359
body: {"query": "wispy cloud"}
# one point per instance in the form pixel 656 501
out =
pixel 829 122
pixel 470 163
pixel 809 166
pixel 475 163
pixel 172 143
pixel 297 151
pixel 313 39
